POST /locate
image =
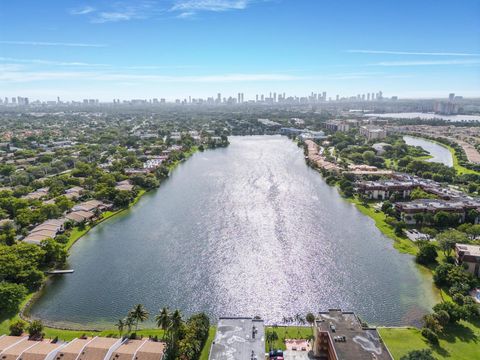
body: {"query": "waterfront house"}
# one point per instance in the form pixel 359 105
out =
pixel 7 342
pixel 92 205
pixel 100 348
pixel 14 352
pixel 459 207
pixel 43 350
pixel 72 350
pixel 383 189
pixel 341 335
pixel 125 185
pixel 469 256
pixel 139 350
pixel 80 216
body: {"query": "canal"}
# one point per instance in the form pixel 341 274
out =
pixel 245 230
pixel 438 152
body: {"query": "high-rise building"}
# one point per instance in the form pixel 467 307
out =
pixel 219 98
pixel 451 97
pixel 239 97
pixel 324 96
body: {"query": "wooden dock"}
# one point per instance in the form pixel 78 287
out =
pixel 59 272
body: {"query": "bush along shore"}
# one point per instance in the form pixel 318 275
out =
pixel 349 162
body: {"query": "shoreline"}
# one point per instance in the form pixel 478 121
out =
pixel 29 301
pixel 402 245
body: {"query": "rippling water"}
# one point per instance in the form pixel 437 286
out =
pixel 439 153
pixel 246 230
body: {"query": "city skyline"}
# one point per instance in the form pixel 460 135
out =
pixel 176 49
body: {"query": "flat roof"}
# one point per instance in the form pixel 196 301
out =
pixel 473 250
pixel 7 341
pixel 234 339
pixel 151 350
pixel 354 341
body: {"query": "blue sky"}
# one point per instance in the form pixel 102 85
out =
pixel 176 48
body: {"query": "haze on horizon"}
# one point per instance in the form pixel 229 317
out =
pixel 180 48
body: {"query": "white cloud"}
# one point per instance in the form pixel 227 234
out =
pixel 209 5
pixel 119 11
pixel 82 11
pixel 426 63
pixel 44 43
pixel 50 62
pixel 388 52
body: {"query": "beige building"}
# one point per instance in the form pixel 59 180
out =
pixel 468 255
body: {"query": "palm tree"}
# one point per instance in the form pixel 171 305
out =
pixel 163 320
pixel 128 323
pixel 310 318
pixel 138 314
pixel 120 326
pixel 175 321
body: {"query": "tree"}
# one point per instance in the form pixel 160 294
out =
pixel 11 295
pixel 430 336
pixel 163 320
pixel 120 326
pixel 55 253
pixel 16 328
pixel 448 239
pixel 427 253
pixel 432 323
pixel 35 330
pixel 425 354
pixel 138 314
pixel 271 337
pixel 455 312
pixel 310 318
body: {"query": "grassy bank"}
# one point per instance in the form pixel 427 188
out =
pixel 402 244
pixel 462 341
pixel 75 234
pixel 208 343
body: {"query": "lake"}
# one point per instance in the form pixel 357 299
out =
pixel 438 152
pixel 245 230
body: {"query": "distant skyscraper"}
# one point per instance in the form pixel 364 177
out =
pixel 338 97
pixel 324 96
pixel 274 97
pixel 451 97
pixel 368 97
pixel 256 98
pixel 219 98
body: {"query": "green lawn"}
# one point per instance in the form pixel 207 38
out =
pixel 461 343
pixel 288 332
pixel 208 343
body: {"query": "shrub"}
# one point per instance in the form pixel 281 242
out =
pixel 16 328
pixel 35 329
pixel 425 354
pixel 430 336
pixel 427 253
